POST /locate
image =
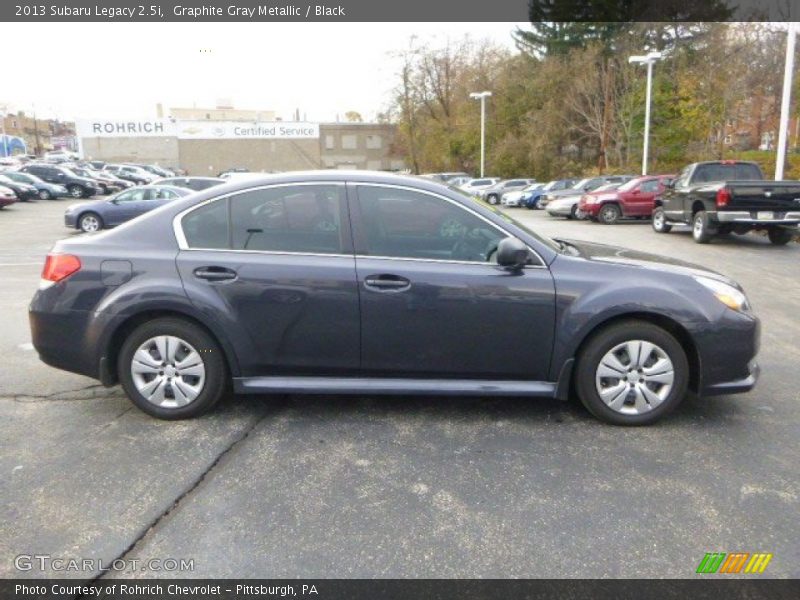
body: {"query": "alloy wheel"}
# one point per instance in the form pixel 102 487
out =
pixel 89 223
pixel 634 377
pixel 168 372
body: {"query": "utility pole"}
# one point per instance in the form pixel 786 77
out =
pixel 648 60
pixel 786 100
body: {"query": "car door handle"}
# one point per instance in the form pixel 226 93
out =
pixel 215 273
pixel 387 282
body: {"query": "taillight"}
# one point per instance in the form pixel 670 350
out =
pixel 60 266
pixel 723 197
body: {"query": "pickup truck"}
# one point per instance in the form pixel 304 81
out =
pixel 729 196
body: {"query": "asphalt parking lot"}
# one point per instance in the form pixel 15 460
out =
pixel 313 486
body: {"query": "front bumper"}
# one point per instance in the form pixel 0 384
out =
pixel 736 386
pixel 70 220
pixel 590 210
pixel 727 350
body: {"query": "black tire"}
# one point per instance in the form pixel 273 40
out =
pixel 44 195
pixel 609 214
pixel 606 339
pixel 493 199
pixel 75 191
pixel 779 236
pixel 86 218
pixel 702 231
pixel 659 222
pixel 573 212
pixel 216 371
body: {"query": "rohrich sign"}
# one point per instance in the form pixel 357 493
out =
pixel 197 130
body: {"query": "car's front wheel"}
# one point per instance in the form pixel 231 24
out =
pixel 172 369
pixel 90 222
pixel 492 199
pixel 631 373
pixel 75 191
pixel 609 214
pixel 44 195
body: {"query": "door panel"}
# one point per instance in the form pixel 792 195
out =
pixel 456 320
pixel 433 302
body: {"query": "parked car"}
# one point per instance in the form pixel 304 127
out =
pixel 192 183
pixel 492 194
pixel 156 170
pixel 514 198
pixel 106 181
pixel 226 172
pixel 78 187
pixel 24 191
pixel 334 282
pixel 572 196
pixel 57 156
pixel 633 199
pixel 729 196
pixel 131 173
pixel 473 186
pixel 124 206
pixel 445 177
pixel 531 199
pixel 97 165
pixel 7 196
pixel 44 189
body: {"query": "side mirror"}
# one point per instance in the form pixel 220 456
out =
pixel 512 253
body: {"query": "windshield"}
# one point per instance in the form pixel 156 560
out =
pixel 581 184
pixel 629 185
pixel 607 187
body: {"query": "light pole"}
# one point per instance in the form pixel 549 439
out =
pixel 648 60
pixel 482 97
pixel 788 69
pixel 5 139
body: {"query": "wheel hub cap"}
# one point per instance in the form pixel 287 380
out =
pixel 168 372
pixel 634 377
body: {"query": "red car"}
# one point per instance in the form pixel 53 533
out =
pixel 635 198
pixel 7 196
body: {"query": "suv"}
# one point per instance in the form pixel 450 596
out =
pixel 78 187
pixel 131 173
pixel 634 199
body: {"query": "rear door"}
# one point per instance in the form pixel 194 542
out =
pixel 274 267
pixel 434 303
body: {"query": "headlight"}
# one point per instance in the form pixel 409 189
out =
pixel 727 294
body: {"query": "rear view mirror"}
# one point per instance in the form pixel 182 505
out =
pixel 512 253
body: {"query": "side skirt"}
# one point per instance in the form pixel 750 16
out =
pixel 375 385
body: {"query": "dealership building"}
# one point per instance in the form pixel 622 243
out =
pixel 205 142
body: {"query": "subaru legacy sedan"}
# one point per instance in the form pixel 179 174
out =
pixel 369 283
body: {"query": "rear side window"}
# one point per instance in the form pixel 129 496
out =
pixel 207 226
pixel 303 219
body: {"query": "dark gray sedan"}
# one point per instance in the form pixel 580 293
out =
pixel 366 283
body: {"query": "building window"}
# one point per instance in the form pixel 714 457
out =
pixel 374 142
pixel 330 142
pixel 349 142
pixel 373 165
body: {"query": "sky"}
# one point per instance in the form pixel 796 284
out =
pixel 122 70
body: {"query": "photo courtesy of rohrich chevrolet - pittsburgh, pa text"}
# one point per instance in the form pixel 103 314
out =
pixel 399 300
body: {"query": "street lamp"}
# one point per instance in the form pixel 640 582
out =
pixel 648 60
pixel 4 108
pixel 788 71
pixel 482 97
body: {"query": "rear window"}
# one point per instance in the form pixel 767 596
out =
pixel 726 172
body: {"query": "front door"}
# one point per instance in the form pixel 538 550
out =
pixel 274 267
pixel 434 303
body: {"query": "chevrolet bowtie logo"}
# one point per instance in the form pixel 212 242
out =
pixel 192 130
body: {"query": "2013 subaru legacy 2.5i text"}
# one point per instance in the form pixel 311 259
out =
pixel 337 282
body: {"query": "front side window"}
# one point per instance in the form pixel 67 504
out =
pixel 407 224
pixel 648 187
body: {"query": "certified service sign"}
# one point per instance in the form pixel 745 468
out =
pixel 237 130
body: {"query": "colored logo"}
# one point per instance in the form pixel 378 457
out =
pixel 734 562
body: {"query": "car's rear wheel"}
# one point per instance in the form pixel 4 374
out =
pixel 573 212
pixel 632 373
pixel 44 195
pixel 492 199
pixel 609 214
pixel 659 222
pixel 779 236
pixel 172 369
pixel 702 231
pixel 90 222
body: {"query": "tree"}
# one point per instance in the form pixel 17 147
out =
pixel 353 117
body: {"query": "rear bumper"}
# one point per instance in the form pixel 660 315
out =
pixel 743 217
pixel 52 332
pixel 559 210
